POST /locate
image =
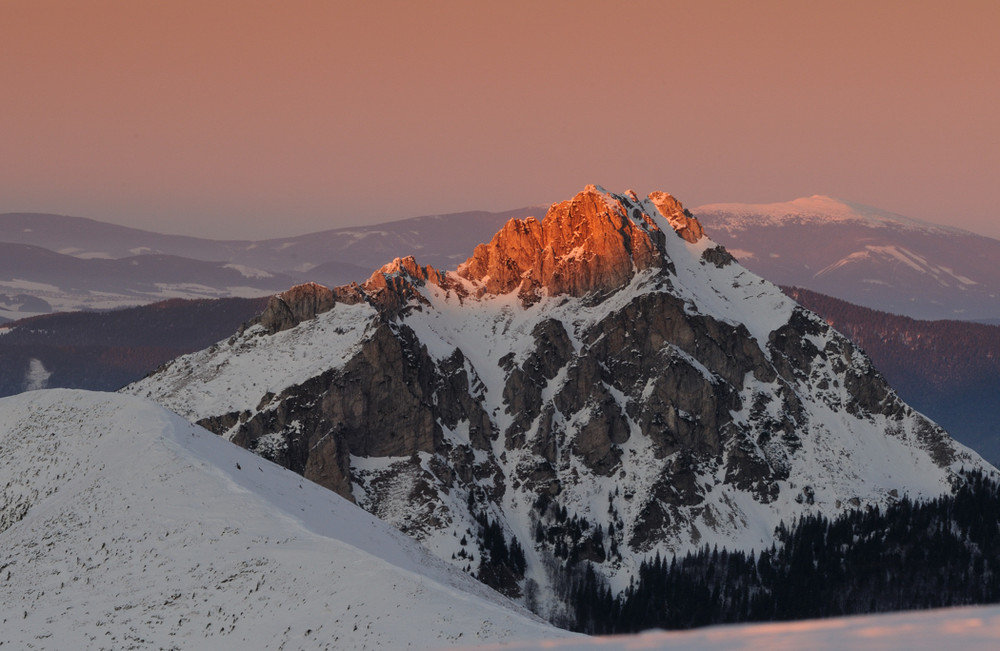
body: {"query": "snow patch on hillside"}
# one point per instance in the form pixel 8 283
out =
pixel 248 272
pixel 37 377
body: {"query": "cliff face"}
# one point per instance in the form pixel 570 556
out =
pixel 598 386
pixel 589 243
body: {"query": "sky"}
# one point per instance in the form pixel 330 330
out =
pixel 251 119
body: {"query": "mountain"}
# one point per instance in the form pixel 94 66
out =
pixel 104 351
pixel 35 281
pixel 582 393
pixel 124 526
pixel 59 263
pixel 91 239
pixel 439 239
pixel 863 255
pixel 948 370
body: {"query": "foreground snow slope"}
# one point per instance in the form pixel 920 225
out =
pixel 967 629
pixel 124 526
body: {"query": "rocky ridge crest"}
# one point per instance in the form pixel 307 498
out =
pixel 592 242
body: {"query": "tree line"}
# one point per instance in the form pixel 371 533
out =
pixel 910 555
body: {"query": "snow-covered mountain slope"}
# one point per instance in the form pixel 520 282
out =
pixel 124 526
pixel 589 389
pixel 968 629
pixel 863 255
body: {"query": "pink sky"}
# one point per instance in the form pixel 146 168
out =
pixel 238 118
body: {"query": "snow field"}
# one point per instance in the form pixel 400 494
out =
pixel 126 527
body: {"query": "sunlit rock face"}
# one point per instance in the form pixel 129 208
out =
pixel 589 243
pixel 686 225
pixel 587 390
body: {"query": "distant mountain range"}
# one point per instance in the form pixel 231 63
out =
pixel 856 253
pixel 58 263
pixel 863 255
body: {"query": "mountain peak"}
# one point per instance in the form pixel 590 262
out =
pixel 665 400
pixel 595 241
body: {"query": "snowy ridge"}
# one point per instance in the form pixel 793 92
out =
pixel 124 526
pixel 897 255
pixel 233 375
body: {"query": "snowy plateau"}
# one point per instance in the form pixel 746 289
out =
pixel 586 390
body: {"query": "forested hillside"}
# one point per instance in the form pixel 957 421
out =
pixel 106 350
pixel 944 552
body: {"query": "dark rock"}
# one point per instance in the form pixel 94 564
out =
pixel 290 308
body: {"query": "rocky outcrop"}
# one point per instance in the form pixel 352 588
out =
pixel 719 256
pixel 390 400
pixel 397 284
pixel 290 308
pixel 301 303
pixel 686 225
pixel 589 243
pixel 390 289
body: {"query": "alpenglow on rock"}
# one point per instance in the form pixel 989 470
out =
pixel 587 390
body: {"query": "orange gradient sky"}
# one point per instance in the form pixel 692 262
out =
pixel 248 119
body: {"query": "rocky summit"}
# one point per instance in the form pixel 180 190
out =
pixel 586 391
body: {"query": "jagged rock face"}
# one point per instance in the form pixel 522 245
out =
pixel 583 245
pixel 390 289
pixel 644 395
pixel 301 303
pixel 686 225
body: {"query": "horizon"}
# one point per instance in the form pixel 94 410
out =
pixel 543 208
pixel 211 118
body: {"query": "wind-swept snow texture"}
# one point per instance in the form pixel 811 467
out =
pixel 124 526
